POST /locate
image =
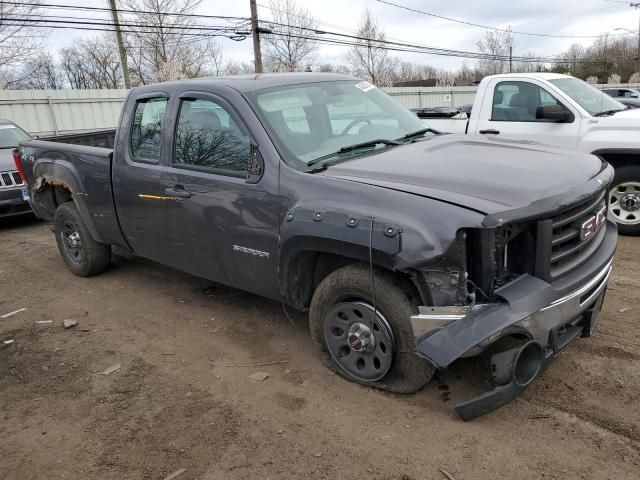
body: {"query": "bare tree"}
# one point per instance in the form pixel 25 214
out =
pixel 496 46
pixel 38 73
pixel 635 78
pixel 445 78
pixel 528 64
pixel 407 71
pixel 162 38
pixel 292 46
pixel 328 67
pixel 20 41
pixel 368 57
pixel 92 63
pixel 238 68
pixel 614 79
pixel 604 57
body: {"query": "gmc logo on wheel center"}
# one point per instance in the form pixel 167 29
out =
pixel 590 227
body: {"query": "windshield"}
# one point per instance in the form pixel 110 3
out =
pixel 590 98
pixel 10 136
pixel 319 119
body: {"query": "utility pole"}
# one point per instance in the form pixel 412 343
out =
pixel 256 36
pixel 123 53
pixel 510 58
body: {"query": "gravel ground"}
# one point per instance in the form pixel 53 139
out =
pixel 179 401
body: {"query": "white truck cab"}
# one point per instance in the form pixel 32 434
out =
pixel 565 112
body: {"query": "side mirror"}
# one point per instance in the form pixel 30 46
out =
pixel 634 95
pixel 255 168
pixel 554 113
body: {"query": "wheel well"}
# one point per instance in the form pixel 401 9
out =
pixel 300 285
pixel 619 159
pixel 49 196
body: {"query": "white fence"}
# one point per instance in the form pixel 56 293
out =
pixel 52 112
pixel 417 97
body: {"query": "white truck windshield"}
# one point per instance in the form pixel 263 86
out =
pixel 590 98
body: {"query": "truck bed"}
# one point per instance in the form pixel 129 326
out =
pixel 73 162
pixel 93 138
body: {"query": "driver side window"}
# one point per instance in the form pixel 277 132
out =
pixel 519 102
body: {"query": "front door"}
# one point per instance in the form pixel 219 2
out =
pixel 225 227
pixel 512 115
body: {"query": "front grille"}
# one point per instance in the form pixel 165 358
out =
pixel 560 245
pixel 10 180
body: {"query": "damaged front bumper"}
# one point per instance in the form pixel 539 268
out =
pixel 550 316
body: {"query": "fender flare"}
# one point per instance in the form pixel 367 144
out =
pixel 332 232
pixel 63 173
pixel 616 151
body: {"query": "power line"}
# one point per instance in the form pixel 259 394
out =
pixel 234 34
pixel 395 46
pixel 223 31
pixel 487 27
pixel 139 12
pixel 104 28
pixel 134 24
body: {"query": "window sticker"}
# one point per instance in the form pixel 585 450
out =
pixel 365 86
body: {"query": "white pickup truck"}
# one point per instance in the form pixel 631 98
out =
pixel 565 112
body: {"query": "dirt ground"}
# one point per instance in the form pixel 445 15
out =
pixel 180 402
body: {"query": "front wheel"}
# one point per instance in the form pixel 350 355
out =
pixel 373 346
pixel 624 199
pixel 82 254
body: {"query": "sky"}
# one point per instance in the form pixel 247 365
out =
pixel 557 17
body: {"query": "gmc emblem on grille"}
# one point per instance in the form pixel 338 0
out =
pixel 593 224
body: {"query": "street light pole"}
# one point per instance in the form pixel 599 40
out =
pixel 638 53
pixel 637 59
pixel 637 6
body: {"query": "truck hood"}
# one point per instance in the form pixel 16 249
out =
pixel 627 114
pixel 485 175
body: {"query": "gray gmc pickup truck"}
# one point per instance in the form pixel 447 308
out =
pixel 410 249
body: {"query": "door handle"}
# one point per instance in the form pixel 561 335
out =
pixel 177 192
pixel 489 131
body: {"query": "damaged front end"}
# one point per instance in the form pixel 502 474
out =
pixel 541 281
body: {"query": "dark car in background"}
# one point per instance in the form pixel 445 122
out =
pixel 627 96
pixel 13 194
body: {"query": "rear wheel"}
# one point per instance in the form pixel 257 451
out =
pixel 367 345
pixel 82 254
pixel 624 199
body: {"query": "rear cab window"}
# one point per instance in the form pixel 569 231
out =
pixel 146 129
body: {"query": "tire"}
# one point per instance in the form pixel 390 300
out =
pixel 626 190
pixel 83 255
pixel 351 285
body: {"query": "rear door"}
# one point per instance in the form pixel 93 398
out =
pixel 224 221
pixel 137 175
pixel 509 111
